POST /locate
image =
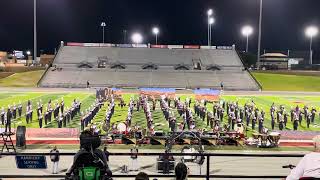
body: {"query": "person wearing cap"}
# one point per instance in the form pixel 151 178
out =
pixel 309 165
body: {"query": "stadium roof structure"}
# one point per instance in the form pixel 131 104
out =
pixel 280 55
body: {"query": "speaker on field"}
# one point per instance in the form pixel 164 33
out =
pixel 21 136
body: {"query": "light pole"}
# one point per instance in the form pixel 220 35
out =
pixel 209 13
pixel 103 25
pixel 124 36
pixel 311 32
pixel 247 31
pixel 259 38
pixel 34 31
pixel 156 31
pixel 211 22
pixel 137 38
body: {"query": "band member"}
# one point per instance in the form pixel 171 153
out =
pixel 272 121
pixel 248 114
pixel 46 117
pixel 2 115
pixel 41 106
pixel 254 121
pixel 295 122
pixel 20 109
pixel 308 119
pixel 260 123
pixel 60 121
pixel 281 122
pixel 29 112
pixel 38 109
pixel 8 122
pixel 40 118
pixel 209 116
pixel 313 114
pixel 285 119
pixel 62 105
pixel 14 111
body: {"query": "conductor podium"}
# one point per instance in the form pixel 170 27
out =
pixel 7 142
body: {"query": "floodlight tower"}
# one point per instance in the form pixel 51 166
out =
pixel 211 22
pixel 103 25
pixel 34 31
pixel 137 38
pixel 209 13
pixel 247 31
pixel 311 32
pixel 260 31
pixel 156 31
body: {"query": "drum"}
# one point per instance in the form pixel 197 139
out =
pixel 264 137
pixel 121 127
pixel 274 137
pixel 232 134
pixel 255 136
pixel 264 140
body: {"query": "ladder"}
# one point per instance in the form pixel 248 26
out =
pixel 7 142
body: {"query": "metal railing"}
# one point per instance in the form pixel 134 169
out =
pixel 207 175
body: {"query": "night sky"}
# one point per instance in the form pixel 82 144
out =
pixel 180 21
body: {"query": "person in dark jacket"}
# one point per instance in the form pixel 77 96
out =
pixel 55 157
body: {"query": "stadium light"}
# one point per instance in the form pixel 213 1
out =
pixel 103 25
pixel 210 22
pixel 28 53
pixel 34 31
pixel 247 31
pixel 156 31
pixel 259 35
pixel 137 38
pixel 311 32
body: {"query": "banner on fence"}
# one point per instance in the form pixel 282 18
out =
pixel 207 94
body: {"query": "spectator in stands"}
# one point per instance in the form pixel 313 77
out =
pixel 89 155
pixel 55 156
pixel 142 176
pixel 309 165
pixel 181 171
pixel 88 84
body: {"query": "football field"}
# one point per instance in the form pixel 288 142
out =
pixel 87 99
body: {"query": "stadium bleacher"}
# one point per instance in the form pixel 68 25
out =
pixel 229 68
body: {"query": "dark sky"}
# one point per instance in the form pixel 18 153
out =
pixel 180 21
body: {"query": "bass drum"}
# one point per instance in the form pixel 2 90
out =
pixel 121 127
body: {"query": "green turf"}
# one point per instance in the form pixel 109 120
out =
pixel 14 98
pixel 262 102
pixel 283 82
pixel 24 79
